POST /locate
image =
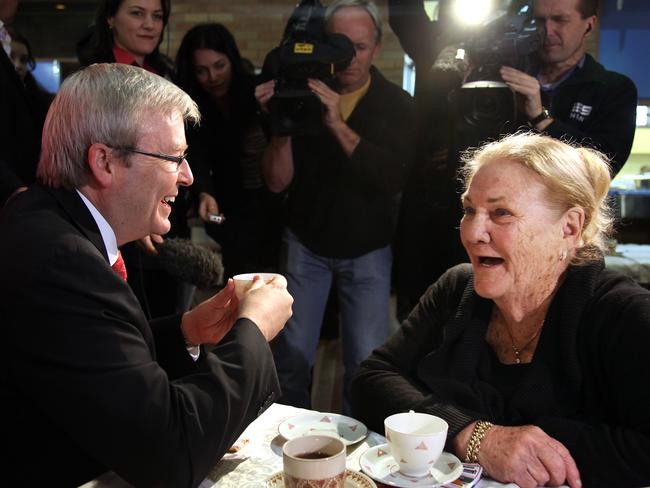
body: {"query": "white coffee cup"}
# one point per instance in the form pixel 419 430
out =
pixel 243 281
pixel 416 441
pixel 314 460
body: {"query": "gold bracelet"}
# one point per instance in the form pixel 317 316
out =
pixel 474 444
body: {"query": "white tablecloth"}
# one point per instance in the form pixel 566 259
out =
pixel 260 456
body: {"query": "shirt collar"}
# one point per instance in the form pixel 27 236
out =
pixel 108 236
pixel 124 57
pixel 554 85
pixel 5 38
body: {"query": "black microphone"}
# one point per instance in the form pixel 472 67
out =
pixel 190 262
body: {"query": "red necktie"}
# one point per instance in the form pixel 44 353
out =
pixel 119 267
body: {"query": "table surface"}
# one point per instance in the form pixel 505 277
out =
pixel 260 456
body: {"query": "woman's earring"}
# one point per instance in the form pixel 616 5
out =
pixel 563 255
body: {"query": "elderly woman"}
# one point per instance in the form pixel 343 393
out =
pixel 536 355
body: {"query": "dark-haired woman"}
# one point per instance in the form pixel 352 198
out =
pixel 128 32
pixel 225 151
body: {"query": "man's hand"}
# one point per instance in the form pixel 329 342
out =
pixel 146 244
pixel 211 320
pixel 263 94
pixel 525 85
pixel 331 100
pixel 347 138
pixel 267 305
pixel 527 456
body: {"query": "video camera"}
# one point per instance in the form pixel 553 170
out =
pixel 511 36
pixel 306 51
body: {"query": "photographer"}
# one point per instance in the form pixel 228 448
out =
pixel 573 96
pixel 342 185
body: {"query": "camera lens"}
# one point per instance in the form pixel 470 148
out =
pixel 488 107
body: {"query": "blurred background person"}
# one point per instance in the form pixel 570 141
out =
pixel 130 32
pixel 226 150
pixel 24 62
pixel 20 121
pixel 527 352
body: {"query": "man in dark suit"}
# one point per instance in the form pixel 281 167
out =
pixel 87 385
pixel 20 126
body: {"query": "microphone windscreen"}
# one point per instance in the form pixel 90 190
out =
pixel 190 262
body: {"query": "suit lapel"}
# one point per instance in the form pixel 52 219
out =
pixel 79 214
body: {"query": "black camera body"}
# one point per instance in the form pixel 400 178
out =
pixel 512 37
pixel 306 51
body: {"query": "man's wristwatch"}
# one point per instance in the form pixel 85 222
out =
pixel 543 116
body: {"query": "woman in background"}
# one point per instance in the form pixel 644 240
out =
pixel 128 32
pixel 225 151
pixel 24 62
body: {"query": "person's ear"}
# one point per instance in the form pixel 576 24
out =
pixel 378 47
pixel 591 22
pixel 101 164
pixel 573 223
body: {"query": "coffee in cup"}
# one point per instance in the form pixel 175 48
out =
pixel 314 461
pixel 416 441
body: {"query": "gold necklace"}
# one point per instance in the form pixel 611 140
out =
pixel 518 350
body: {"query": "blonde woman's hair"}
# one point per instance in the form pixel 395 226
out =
pixel 573 177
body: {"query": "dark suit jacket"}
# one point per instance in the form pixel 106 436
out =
pixel 20 132
pixel 87 384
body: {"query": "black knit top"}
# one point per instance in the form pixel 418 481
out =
pixel 587 385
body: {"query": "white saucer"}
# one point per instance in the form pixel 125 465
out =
pixel 353 479
pixel 378 463
pixel 349 430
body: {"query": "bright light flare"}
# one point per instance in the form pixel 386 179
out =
pixel 472 12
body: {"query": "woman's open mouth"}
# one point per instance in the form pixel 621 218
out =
pixel 490 261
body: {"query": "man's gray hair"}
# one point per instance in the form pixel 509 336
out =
pixel 368 5
pixel 103 103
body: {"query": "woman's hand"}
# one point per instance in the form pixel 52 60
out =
pixel 527 456
pixel 263 94
pixel 207 205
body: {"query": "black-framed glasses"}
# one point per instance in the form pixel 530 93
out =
pixel 165 157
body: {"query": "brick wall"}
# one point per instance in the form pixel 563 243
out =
pixel 258 26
